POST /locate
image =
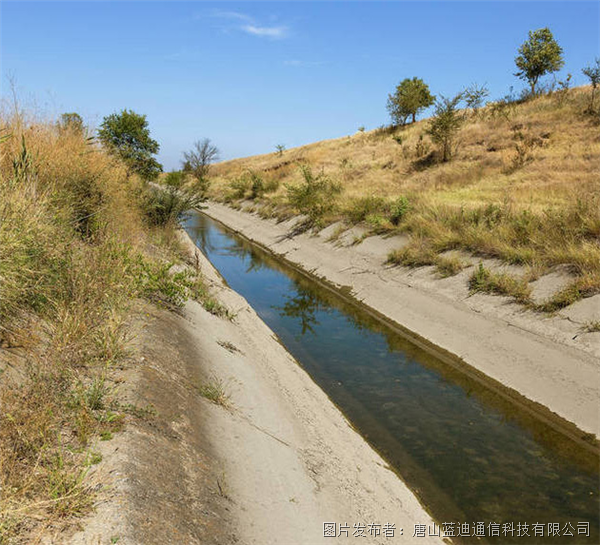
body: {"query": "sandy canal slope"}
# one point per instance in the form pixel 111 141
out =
pixel 548 360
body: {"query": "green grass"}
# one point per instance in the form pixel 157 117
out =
pixel 486 281
pixel 214 391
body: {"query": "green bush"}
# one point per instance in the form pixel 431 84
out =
pixel 445 125
pixel 174 179
pixel 315 196
pixel 257 186
pixel 163 206
pixel 238 188
pixel 398 209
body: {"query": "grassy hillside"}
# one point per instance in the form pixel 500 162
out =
pixel 523 187
pixel 78 254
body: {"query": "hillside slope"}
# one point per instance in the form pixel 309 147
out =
pixel 523 187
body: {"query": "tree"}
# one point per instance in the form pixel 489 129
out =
pixel 197 162
pixel 593 74
pixel 474 96
pixel 411 96
pixel 538 56
pixel 126 135
pixel 70 122
pixel 446 124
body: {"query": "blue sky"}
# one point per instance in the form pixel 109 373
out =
pixel 250 75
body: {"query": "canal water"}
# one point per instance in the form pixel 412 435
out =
pixel 469 453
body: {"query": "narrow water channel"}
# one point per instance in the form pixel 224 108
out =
pixel 469 454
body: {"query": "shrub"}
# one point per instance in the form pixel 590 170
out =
pixel 446 124
pixel 174 179
pixel 315 196
pixel 257 186
pixel 237 189
pixel 422 147
pixel 593 74
pixel 398 209
pixel 166 206
pixel 525 143
pixel 474 96
pixel 363 207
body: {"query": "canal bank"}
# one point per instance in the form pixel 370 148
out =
pixel 467 452
pixel 547 360
pixel 288 459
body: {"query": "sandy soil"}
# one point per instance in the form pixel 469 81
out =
pixel 549 360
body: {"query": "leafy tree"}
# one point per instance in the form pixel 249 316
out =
pixel 446 124
pixel 70 122
pixel 126 134
pixel 197 162
pixel 411 96
pixel 538 56
pixel 474 96
pixel 593 74
pixel 280 149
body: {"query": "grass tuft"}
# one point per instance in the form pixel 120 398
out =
pixel 214 390
pixel 485 281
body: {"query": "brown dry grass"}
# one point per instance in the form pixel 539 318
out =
pixel 524 186
pixel 75 253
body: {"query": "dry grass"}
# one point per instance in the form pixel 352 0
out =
pixel 523 187
pixel 74 255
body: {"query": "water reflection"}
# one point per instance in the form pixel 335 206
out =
pixel 469 451
pixel 304 307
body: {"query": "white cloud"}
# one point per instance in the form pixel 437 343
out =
pixel 242 22
pixel 266 31
pixel 233 15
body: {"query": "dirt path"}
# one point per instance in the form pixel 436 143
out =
pixel 549 360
